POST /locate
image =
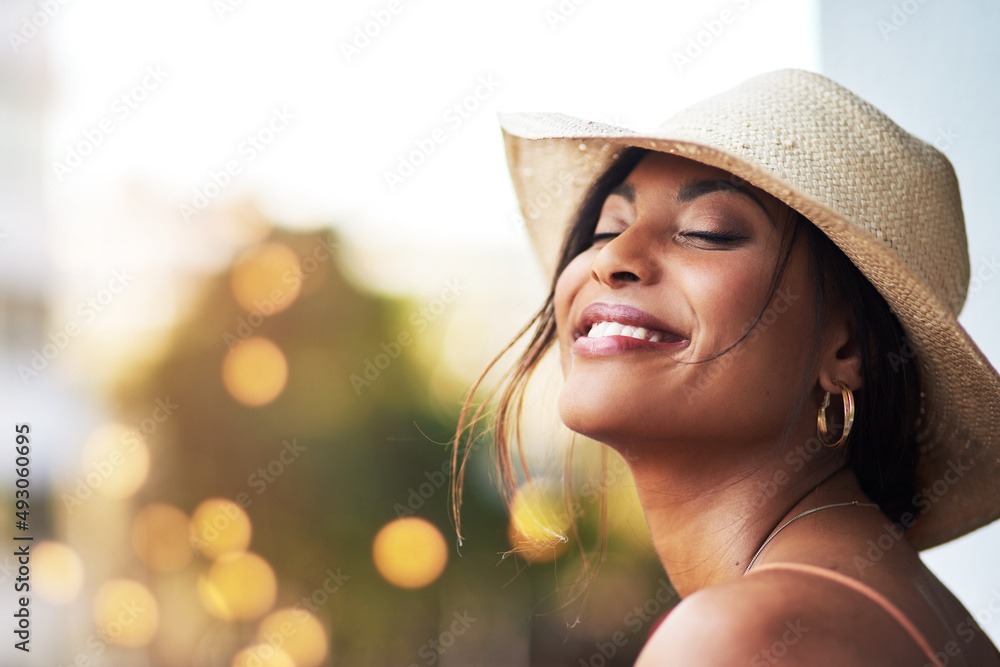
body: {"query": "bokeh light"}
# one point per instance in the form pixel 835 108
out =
pixel 539 521
pixel 263 655
pixel 255 371
pixel 219 526
pixel 267 279
pixel 114 462
pixel 238 586
pixel 298 633
pixel 126 613
pixel 533 551
pixel 161 538
pixel 57 572
pixel 410 552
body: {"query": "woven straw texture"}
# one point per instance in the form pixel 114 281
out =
pixel 888 200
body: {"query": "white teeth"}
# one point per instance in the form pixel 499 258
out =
pixel 601 329
pixel 597 330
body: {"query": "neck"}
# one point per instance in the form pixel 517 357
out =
pixel 705 531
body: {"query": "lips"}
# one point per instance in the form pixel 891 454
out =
pixel 605 328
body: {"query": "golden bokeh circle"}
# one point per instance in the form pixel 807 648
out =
pixel 255 371
pixel 298 633
pixel 161 538
pixel 410 552
pixel 266 279
pixel 112 464
pixel 539 513
pixel 535 551
pixel 238 586
pixel 126 613
pixel 219 526
pixel 263 655
pixel 57 572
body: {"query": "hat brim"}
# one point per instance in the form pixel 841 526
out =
pixel 554 159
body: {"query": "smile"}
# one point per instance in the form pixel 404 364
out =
pixel 603 329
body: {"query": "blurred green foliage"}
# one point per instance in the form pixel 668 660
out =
pixel 365 454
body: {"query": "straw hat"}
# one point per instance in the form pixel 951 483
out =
pixel 887 199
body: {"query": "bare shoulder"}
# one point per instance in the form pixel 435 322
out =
pixel 778 618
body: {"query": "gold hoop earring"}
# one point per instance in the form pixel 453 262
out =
pixel 824 433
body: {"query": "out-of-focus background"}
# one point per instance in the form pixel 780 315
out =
pixel 252 255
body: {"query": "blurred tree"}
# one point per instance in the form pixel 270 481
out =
pixel 303 399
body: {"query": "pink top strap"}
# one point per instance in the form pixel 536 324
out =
pixel 868 592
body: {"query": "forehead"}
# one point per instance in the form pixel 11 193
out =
pixel 665 166
pixel 669 175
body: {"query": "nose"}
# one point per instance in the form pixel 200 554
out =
pixel 625 259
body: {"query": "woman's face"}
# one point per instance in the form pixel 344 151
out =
pixel 683 259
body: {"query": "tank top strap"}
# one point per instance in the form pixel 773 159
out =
pixel 867 591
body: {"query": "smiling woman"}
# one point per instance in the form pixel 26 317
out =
pixel 756 307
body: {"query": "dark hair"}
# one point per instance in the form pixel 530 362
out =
pixel 882 446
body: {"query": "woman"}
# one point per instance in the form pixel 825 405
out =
pixel 755 306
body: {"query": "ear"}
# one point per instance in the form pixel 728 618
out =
pixel 840 356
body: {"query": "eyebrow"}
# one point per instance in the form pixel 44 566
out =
pixel 625 190
pixel 696 189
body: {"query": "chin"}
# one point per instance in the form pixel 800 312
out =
pixel 593 413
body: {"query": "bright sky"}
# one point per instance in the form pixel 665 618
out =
pixel 351 110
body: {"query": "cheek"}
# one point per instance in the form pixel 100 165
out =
pixel 776 350
pixel 570 282
pixel 725 301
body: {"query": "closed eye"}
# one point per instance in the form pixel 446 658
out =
pixel 604 236
pixel 719 238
